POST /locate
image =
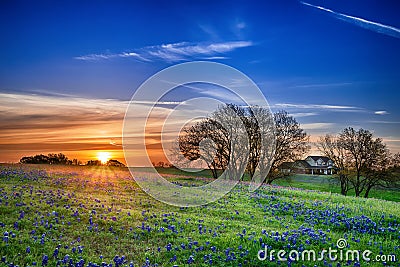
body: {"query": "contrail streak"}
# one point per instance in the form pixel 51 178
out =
pixel 366 24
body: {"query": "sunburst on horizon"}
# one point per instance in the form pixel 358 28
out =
pixel 103 156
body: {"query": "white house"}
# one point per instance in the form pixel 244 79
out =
pixel 320 165
pixel 310 165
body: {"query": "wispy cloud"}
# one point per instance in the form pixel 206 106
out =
pixel 381 112
pixel 238 28
pixel 317 126
pixel 94 57
pixel 320 85
pixel 174 52
pixel 303 114
pixel 366 24
pixel 316 106
pixel 43 123
pixel 210 31
pixel 215 58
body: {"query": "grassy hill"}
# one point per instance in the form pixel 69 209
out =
pixel 97 216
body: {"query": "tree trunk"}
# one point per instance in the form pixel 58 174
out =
pixel 367 191
pixel 357 185
pixel 343 191
pixel 357 189
pixel 343 185
pixel 214 172
pixel 251 173
pixel 357 192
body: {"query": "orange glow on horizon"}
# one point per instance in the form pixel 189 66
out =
pixel 103 156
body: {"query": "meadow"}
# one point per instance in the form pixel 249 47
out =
pixel 98 216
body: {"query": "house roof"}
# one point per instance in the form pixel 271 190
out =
pixel 315 158
pixel 302 163
pixel 306 165
pixel 286 165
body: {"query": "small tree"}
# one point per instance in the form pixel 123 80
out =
pixel 367 159
pixel 363 161
pixel 76 162
pixel 115 163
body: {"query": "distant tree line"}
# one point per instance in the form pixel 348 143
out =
pixel 162 164
pixel 61 159
pixel 111 162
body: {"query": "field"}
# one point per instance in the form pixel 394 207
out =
pixel 325 183
pixel 98 216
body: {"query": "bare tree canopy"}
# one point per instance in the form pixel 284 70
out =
pixel 216 142
pixel 364 162
pixel 220 141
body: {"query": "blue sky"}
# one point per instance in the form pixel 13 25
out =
pixel 332 64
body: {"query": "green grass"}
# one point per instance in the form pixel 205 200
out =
pixel 327 183
pixel 324 183
pixel 180 173
pixel 103 211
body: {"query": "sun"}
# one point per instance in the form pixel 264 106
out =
pixel 103 156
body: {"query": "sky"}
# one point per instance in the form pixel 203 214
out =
pixel 69 68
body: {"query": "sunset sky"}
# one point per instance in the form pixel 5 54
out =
pixel 68 69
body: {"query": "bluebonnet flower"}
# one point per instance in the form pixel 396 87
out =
pixel 190 260
pixel 45 260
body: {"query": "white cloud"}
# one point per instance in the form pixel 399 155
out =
pixel 363 23
pixel 303 114
pixel 174 52
pixel 319 85
pixel 94 57
pixel 317 126
pixel 215 58
pixel 381 112
pixel 315 106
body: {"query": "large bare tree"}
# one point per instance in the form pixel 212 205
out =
pixel 290 139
